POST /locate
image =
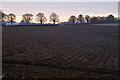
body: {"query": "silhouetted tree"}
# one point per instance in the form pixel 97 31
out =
pixel 41 18
pixel 87 17
pixel 3 16
pixel 98 18
pixel 72 19
pixel 93 19
pixel 21 21
pixel 54 18
pixel 103 18
pixel 110 18
pixel 11 18
pixel 81 18
pixel 27 18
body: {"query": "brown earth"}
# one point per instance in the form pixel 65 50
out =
pixel 64 51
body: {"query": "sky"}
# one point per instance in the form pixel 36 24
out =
pixel 60 0
pixel 63 9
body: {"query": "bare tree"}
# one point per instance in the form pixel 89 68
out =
pixel 54 18
pixel 41 18
pixel 87 17
pixel 81 18
pixel 103 18
pixel 27 18
pixel 72 19
pixel 3 16
pixel 11 18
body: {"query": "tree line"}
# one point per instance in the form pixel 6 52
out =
pixel 109 19
pixel 40 17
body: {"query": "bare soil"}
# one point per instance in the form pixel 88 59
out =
pixel 64 51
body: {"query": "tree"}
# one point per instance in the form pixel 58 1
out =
pixel 54 18
pixel 41 18
pixel 110 18
pixel 11 18
pixel 94 20
pixel 81 18
pixel 98 18
pixel 103 18
pixel 87 17
pixel 27 18
pixel 3 16
pixel 72 19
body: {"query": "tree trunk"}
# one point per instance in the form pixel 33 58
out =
pixel 12 23
pixel 73 21
pixel 87 21
pixel 27 23
pixel 54 22
pixel 41 21
pixel 81 21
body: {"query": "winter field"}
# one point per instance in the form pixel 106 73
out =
pixel 61 51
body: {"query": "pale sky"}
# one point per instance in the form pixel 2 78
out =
pixel 63 9
pixel 60 0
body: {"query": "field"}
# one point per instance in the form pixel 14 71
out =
pixel 63 51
